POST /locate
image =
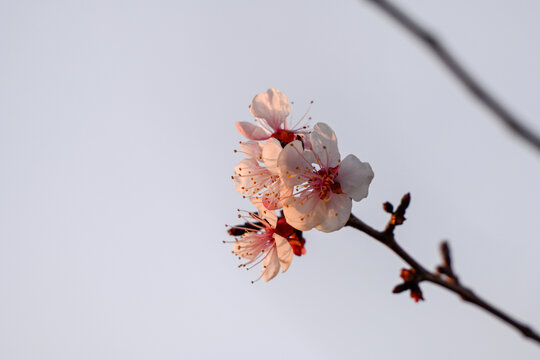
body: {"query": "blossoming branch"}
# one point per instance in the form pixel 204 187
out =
pixel 294 177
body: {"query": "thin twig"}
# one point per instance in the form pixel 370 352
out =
pixel 466 79
pixel 448 281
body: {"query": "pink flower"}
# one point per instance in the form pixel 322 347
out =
pixel 261 242
pixel 271 110
pixel 323 186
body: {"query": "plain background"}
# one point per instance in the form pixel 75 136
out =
pixel 116 150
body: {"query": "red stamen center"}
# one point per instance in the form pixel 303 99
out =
pixel 285 136
pixel 325 182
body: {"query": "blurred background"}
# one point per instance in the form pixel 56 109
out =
pixel 116 150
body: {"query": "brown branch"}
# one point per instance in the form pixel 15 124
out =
pixel 444 276
pixel 463 76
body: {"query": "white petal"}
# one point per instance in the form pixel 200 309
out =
pixel 270 154
pixel 268 215
pixel 294 164
pixel 305 214
pixel 354 177
pixel 273 106
pixel 250 131
pixel 338 210
pixel 307 141
pixel 252 149
pixel 324 144
pixel 284 252
pixel 270 265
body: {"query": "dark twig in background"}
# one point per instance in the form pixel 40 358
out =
pixel 466 79
pixel 444 276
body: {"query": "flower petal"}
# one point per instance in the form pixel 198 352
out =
pixel 294 164
pixel 354 177
pixel 268 215
pixel 252 149
pixel 275 195
pixel 240 180
pixel 270 265
pixel 270 155
pixel 338 211
pixel 250 178
pixel 324 144
pixel 284 251
pixel 305 214
pixel 250 131
pixel 273 106
pixel 241 247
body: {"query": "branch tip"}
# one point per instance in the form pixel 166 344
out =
pixel 388 207
pixel 398 216
pixel 513 123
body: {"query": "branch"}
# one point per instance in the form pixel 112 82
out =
pixel 444 276
pixel 463 76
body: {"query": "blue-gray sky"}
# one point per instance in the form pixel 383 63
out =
pixel 116 138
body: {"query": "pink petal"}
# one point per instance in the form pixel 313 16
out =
pixel 270 154
pixel 284 251
pixel 273 106
pixel 354 177
pixel 268 215
pixel 251 131
pixel 252 149
pixel 270 265
pixel 276 195
pixel 271 198
pixel 249 177
pixel 241 181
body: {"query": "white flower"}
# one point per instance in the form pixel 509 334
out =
pixel 271 110
pixel 323 186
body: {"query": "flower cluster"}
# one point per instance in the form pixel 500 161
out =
pixel 297 170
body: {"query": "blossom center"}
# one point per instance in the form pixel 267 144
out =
pixel 293 236
pixel 324 182
pixel 284 136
